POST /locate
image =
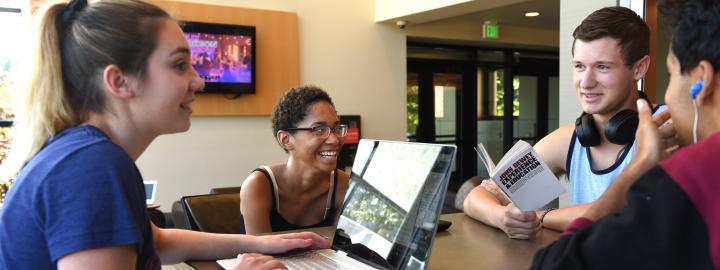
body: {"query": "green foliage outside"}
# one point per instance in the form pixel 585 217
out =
pixel 12 21
pixel 6 96
pixel 499 101
pixel 6 93
pixel 412 110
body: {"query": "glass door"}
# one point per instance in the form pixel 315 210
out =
pixel 433 96
pixel 445 93
pixel 432 104
pixel 490 108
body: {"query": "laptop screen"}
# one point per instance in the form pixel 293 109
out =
pixel 394 200
pixel 150 191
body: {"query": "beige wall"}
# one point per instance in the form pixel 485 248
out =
pixel 662 48
pixel 571 14
pixel 359 62
pixel 390 9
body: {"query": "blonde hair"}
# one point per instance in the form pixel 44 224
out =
pixel 65 82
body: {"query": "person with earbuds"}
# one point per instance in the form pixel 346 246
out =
pixel 610 54
pixel 662 212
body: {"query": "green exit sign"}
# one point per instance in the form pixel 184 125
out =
pixel 491 30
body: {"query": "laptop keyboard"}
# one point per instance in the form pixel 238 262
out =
pixel 312 260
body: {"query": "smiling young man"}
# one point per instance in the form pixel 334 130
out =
pixel 610 55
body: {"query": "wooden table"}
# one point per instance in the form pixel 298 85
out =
pixel 471 244
pixel 467 244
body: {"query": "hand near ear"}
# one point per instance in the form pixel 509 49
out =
pixel 655 137
pixel 667 133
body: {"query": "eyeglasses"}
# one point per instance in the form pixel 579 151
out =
pixel 324 131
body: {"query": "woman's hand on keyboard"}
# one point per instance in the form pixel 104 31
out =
pixel 273 244
pixel 256 261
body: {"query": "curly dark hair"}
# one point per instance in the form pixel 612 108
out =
pixel 695 31
pixel 620 23
pixel 292 107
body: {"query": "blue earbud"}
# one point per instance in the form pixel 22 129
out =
pixel 695 89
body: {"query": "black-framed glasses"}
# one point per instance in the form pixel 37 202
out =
pixel 324 131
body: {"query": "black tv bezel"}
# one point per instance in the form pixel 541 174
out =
pixel 227 29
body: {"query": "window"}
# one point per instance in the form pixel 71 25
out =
pixel 8 52
pixel 13 21
pixel 10 14
pixel 413 116
pixel 500 94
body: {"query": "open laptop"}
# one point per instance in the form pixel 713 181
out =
pixel 150 191
pixel 390 212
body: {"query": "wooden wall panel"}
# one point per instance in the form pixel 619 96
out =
pixel 650 81
pixel 277 61
pixel 277 58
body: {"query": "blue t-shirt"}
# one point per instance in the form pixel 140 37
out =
pixel 81 191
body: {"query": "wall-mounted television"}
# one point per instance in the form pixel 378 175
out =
pixel 223 55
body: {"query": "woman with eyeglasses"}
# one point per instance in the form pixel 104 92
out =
pixel 307 189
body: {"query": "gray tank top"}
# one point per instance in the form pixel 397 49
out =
pixel 586 183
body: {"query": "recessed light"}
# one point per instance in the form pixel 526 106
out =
pixel 532 14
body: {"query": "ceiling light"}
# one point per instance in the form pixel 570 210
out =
pixel 532 14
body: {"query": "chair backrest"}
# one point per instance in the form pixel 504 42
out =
pixel 179 217
pixel 465 190
pixel 224 190
pixel 216 213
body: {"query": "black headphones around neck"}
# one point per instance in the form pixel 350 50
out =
pixel 620 129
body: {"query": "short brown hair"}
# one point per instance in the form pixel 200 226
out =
pixel 620 23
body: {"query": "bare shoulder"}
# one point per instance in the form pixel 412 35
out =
pixel 553 148
pixel 561 135
pixel 257 181
pixel 255 188
pixel 256 203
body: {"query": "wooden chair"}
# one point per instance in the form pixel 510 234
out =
pixel 224 190
pixel 178 216
pixel 464 190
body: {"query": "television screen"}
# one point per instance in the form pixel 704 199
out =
pixel 223 55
